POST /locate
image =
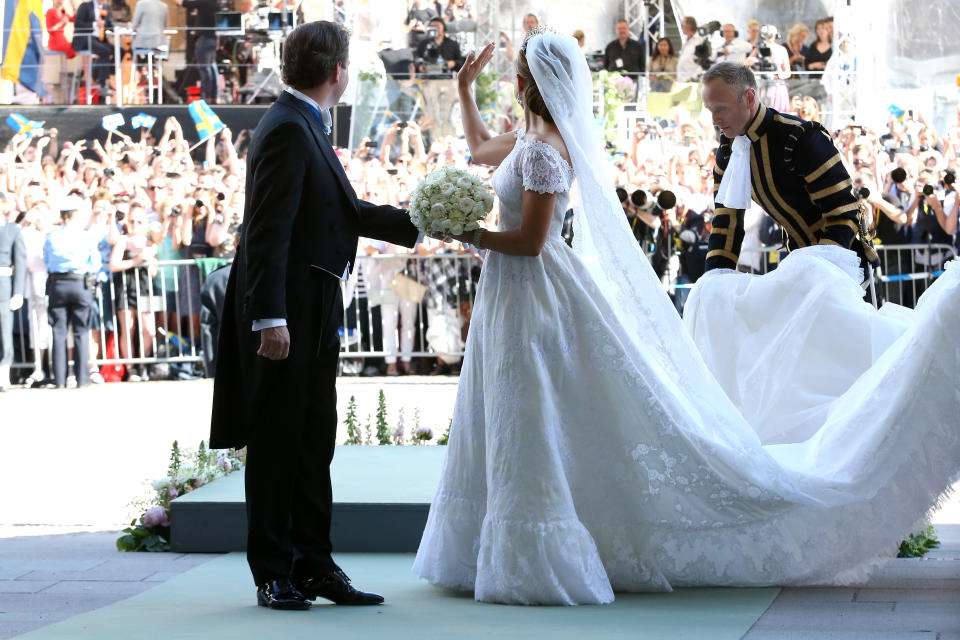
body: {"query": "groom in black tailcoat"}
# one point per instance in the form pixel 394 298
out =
pixel 277 361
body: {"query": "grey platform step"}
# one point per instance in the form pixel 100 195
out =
pixel 381 500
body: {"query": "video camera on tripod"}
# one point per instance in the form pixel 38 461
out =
pixel 703 52
pixel 765 60
pixel 431 63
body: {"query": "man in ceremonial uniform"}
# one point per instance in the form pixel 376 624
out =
pixel 72 257
pixel 788 166
pixel 13 275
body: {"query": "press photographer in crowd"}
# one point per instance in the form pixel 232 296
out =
pixel 437 56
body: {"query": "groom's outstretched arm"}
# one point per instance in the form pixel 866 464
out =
pixel 383 222
pixel 726 236
pixel 278 174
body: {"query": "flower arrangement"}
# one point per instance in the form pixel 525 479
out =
pixel 377 429
pixel 187 471
pixel 449 200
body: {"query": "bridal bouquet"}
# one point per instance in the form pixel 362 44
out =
pixel 449 201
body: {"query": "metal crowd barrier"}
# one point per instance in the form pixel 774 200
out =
pixel 163 324
pixel 406 305
pixel 394 306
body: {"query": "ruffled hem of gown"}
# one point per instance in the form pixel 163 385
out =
pixel 527 562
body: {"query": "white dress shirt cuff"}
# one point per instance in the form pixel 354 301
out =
pixel 269 323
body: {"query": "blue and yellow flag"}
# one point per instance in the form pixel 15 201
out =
pixel 206 121
pixel 897 113
pixel 23 124
pixel 143 121
pixel 23 43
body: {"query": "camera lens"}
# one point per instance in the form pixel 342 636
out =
pixel 898 175
pixel 928 189
pixel 863 193
pixel 949 178
pixel 638 198
pixel 622 194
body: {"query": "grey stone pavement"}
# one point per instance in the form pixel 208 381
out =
pixel 72 460
pixel 48 578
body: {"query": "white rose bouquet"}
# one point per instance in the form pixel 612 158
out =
pixel 449 201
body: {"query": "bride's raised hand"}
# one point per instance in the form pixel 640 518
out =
pixel 473 66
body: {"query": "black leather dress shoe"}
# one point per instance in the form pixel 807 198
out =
pixel 336 587
pixel 280 594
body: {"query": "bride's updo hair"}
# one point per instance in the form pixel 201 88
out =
pixel 531 93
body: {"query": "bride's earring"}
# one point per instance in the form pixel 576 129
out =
pixel 519 99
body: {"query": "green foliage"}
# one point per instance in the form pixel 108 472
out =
pixel 140 538
pixel 486 90
pixel 353 426
pixel 175 460
pixel 368 430
pixel 202 457
pixel 383 433
pixel 422 435
pixel 918 544
pixel 615 95
pixel 445 438
pixel 187 471
pixel 369 76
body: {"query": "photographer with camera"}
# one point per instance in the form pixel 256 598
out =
pixel 733 49
pixel 936 221
pixel 772 65
pixel 420 13
pixel 403 138
pixel 437 55
pixel 624 55
pixel 643 223
pixel 688 67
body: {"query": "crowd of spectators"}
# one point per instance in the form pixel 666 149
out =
pixel 149 201
pixel 140 202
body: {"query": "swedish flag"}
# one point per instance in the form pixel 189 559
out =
pixel 23 43
pixel 23 124
pixel 204 119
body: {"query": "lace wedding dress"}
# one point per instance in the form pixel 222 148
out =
pixel 592 450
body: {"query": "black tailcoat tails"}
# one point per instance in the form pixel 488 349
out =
pixel 299 236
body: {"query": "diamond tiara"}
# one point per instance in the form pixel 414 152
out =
pixel 536 31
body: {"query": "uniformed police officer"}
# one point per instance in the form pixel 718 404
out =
pixel 788 166
pixel 13 273
pixel 73 260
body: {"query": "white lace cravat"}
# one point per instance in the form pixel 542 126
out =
pixel 734 190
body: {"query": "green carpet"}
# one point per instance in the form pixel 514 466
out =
pixel 217 600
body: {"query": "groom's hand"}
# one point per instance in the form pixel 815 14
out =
pixel 274 343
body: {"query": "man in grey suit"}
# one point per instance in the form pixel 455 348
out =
pixel 13 277
pixel 150 18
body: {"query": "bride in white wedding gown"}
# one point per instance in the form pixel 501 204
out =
pixel 593 451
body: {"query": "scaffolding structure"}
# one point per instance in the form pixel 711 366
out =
pixel 647 20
